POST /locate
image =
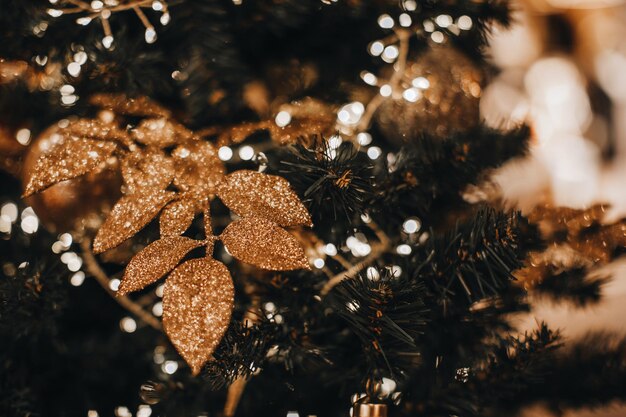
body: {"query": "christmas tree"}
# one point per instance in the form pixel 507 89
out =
pixel 292 208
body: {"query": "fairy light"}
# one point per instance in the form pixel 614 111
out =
pixel 410 5
pixel 443 20
pixel 157 309
pixel 73 68
pixel 374 152
pixel 54 12
pixel 114 284
pixel 77 279
pixel 429 26
pixel 30 221
pixel 128 324
pixel 169 367
pixel 330 249
pixel 283 118
pixel 319 263
pixel 165 18
pixel 225 153
pixel 246 153
pixel 9 210
pixel 157 6
pixel 23 136
pixel 376 48
pixel 411 225
pixel 369 78
pixel 437 36
pixel 150 35
pixel 405 20
pixel 372 273
pixel 353 305
pixel 364 138
pixel 420 82
pixel 122 411
pixel 385 21
pixel 351 113
pixel 107 41
pixel 144 410
pixel 84 21
pixel 390 53
pixel 403 249
pixel 159 290
pixel 335 141
pixel 385 90
pixel 411 95
pixel 465 22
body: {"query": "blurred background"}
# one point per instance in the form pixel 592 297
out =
pixel 563 71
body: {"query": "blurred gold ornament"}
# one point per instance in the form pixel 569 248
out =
pixel 574 239
pixel 438 95
pixel 362 408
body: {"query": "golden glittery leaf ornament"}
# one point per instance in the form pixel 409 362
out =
pixel 68 159
pixel 250 193
pixel 198 300
pixel 169 170
pixel 160 132
pixel 130 215
pixel 177 217
pixel 149 168
pixel 122 104
pixel 198 167
pixel 262 243
pixel 154 261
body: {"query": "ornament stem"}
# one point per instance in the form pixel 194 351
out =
pixel 93 267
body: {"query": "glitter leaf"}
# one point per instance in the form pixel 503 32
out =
pixel 250 193
pixel 177 217
pixel 161 133
pixel 262 243
pixel 96 129
pixel 198 167
pixel 154 261
pixel 130 215
pixel 148 168
pixel 122 104
pixel 69 159
pixel 239 133
pixel 198 300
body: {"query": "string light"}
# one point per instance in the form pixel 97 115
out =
pixel 225 153
pixel 376 48
pixel 23 136
pixel 403 249
pixel 364 138
pixel 283 118
pixel 385 21
pixel 77 279
pixel 374 152
pixel 411 225
pixel 246 153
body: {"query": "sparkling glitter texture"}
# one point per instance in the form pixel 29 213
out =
pixel 198 167
pixel 198 299
pixel 154 261
pixel 96 129
pixel 68 159
pixel 149 168
pixel 160 132
pixel 177 217
pixel 130 215
pixel 262 243
pixel 250 193
pixel 121 104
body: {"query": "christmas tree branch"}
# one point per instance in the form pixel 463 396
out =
pixel 403 36
pixel 93 267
